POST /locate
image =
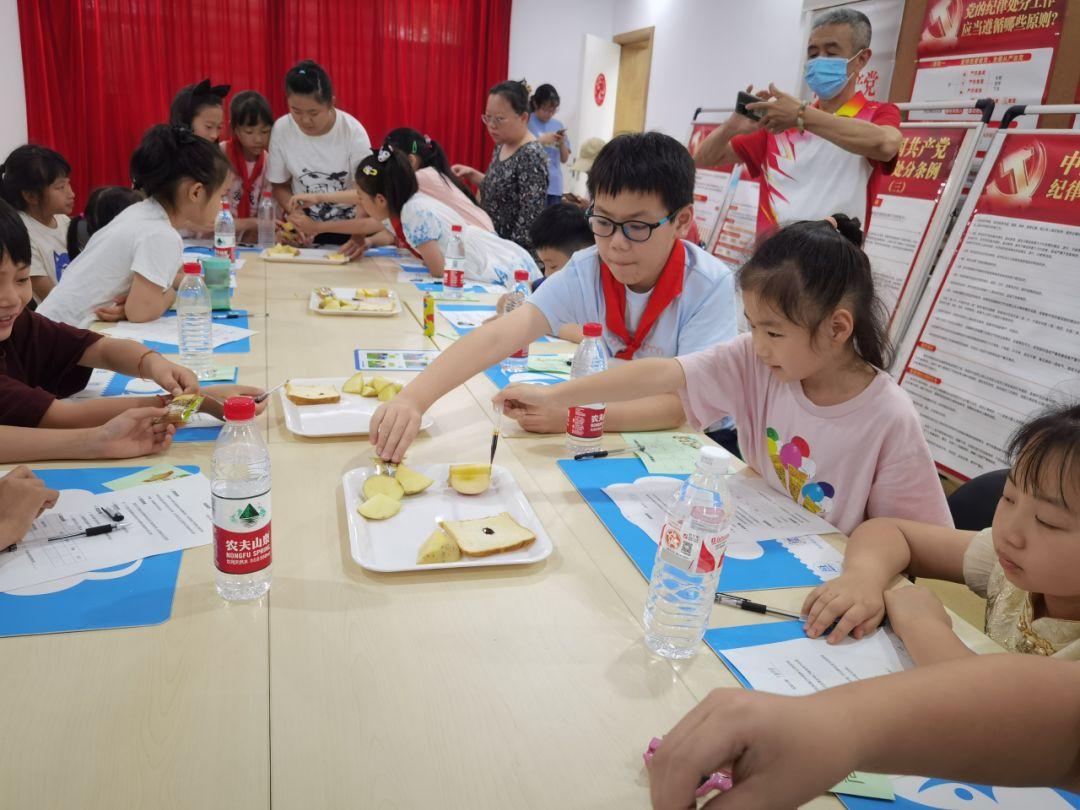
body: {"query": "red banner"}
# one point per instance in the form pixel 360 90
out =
pixel 1035 178
pixel 924 162
pixel 980 26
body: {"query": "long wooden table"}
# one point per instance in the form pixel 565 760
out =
pixel 516 687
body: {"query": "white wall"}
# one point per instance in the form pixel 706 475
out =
pixel 547 40
pixel 12 94
pixel 704 51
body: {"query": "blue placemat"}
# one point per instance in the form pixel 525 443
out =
pixel 436 286
pixel 241 346
pixel 775 568
pixel 495 373
pixel 128 595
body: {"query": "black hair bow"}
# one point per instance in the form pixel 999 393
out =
pixel 204 88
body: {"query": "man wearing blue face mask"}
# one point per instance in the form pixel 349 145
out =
pixel 814 160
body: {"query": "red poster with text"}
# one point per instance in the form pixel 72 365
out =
pixel 980 26
pixel 1000 341
pixel 904 208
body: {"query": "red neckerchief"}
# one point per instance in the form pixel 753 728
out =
pixel 396 222
pixel 247 180
pixel 668 288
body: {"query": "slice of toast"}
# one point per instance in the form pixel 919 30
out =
pixel 488 535
pixel 312 394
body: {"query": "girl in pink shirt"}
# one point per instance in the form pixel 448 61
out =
pixel 817 417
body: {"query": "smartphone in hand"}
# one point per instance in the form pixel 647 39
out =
pixel 742 100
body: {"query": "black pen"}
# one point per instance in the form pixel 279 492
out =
pixel 754 607
pixel 227 317
pixel 93 531
pixel 598 454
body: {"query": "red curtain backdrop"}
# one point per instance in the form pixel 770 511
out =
pixel 99 72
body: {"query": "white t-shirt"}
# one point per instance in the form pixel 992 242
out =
pixel 48 246
pixel 488 257
pixel 140 240
pixel 318 164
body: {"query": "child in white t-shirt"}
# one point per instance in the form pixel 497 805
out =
pixel 130 267
pixel 315 149
pixel 37 183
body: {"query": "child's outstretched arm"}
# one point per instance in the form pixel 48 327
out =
pixel 785 751
pixel 396 423
pixel 635 380
pixel 876 552
pixel 920 621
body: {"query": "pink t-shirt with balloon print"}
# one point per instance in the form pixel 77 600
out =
pixel 860 459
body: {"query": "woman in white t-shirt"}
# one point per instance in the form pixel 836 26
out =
pixel 251 121
pixel 315 149
pixel 130 267
pixel 388 190
pixel 36 181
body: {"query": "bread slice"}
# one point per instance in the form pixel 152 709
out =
pixel 312 394
pixel 481 537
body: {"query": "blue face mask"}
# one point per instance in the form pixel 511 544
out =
pixel 827 75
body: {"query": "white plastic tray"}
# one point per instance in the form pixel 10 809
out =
pixel 346 294
pixel 392 545
pixel 306 256
pixel 349 417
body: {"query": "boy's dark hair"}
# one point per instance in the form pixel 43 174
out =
pixel 168 154
pixel 808 269
pixel 646 162
pixel 307 78
pixel 1048 443
pixel 31 169
pixel 516 93
pixel 561 227
pixel 392 177
pixel 249 109
pixel 414 142
pixel 102 206
pixel 191 98
pixel 545 94
pixel 14 239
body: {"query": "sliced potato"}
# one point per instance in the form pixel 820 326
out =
pixel 379 507
pixel 355 384
pixel 470 479
pixel 385 485
pixel 439 548
pixel 412 481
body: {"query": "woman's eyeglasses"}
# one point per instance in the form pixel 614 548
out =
pixel 633 229
pixel 493 120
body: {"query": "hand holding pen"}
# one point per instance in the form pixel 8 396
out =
pixel 23 496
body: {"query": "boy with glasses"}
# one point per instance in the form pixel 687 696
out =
pixel 655 294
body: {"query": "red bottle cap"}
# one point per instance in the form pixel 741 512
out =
pixel 521 275
pixel 455 228
pixel 237 409
pixel 593 330
pixel 192 268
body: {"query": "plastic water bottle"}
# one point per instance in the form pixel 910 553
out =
pixel 689 555
pixel 266 221
pixel 585 423
pixel 240 490
pixel 454 264
pixel 519 360
pixel 195 323
pixel 225 232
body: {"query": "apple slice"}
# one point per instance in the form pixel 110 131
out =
pixel 379 507
pixel 383 485
pixel 470 479
pixel 412 481
pixel 355 384
pixel 438 548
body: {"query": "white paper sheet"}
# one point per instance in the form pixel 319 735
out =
pixel 760 514
pixel 803 666
pixel 168 516
pixel 166 330
pixel 466 318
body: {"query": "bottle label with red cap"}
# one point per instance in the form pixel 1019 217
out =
pixel 454 278
pixel 520 353
pixel 695 545
pixel 242 533
pixel 585 421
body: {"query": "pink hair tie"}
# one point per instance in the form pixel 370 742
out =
pixel 832 221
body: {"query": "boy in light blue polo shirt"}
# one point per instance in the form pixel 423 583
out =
pixel 655 295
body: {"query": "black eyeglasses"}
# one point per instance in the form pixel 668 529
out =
pixel 633 229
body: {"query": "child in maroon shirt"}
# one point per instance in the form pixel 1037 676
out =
pixel 42 361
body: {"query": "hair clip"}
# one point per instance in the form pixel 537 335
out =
pixel 302 72
pixel 183 135
pixel 427 140
pixel 832 221
pixel 384 154
pixel 370 171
